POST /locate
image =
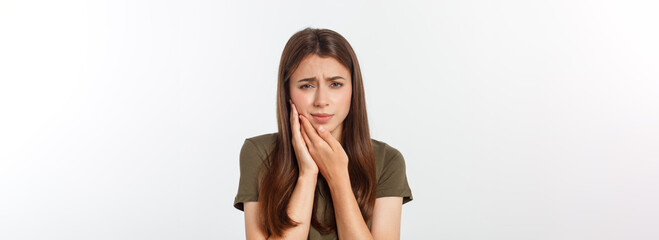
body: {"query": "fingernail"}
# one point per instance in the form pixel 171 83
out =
pixel 321 129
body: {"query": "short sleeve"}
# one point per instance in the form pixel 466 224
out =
pixel 250 164
pixel 393 181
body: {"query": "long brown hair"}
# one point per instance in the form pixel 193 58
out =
pixel 280 174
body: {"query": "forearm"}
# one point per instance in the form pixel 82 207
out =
pixel 349 221
pixel 300 207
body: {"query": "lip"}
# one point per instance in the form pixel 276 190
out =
pixel 322 117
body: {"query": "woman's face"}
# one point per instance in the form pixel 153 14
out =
pixel 321 89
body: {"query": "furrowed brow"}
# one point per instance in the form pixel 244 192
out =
pixel 335 78
pixel 313 79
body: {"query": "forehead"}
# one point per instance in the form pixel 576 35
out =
pixel 314 65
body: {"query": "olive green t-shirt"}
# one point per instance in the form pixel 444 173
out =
pixel 389 164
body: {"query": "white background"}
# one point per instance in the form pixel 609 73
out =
pixel 517 119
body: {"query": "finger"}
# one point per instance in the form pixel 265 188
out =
pixel 296 137
pixel 292 117
pixel 295 122
pixel 306 138
pixel 329 138
pixel 311 131
pixel 293 108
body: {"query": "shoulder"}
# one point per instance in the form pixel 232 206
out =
pixel 384 152
pixel 263 140
pixel 255 149
pixel 262 143
pixel 387 159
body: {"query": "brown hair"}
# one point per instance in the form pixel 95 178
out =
pixel 281 171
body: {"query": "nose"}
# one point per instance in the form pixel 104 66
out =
pixel 321 98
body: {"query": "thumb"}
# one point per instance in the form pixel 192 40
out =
pixel 329 138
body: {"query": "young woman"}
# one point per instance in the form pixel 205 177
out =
pixel 321 176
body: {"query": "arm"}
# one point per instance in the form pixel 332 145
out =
pixel 349 221
pixel 299 210
pixel 300 207
pixel 386 218
pixel 253 230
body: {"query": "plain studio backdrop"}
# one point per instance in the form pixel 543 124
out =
pixel 517 119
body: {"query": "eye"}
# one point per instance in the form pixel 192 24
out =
pixel 304 86
pixel 338 84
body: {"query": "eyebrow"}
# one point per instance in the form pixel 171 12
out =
pixel 313 79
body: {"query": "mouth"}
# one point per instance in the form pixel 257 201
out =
pixel 322 117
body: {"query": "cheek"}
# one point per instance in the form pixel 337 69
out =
pixel 346 99
pixel 297 97
pixel 300 100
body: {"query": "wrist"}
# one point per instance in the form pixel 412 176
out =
pixel 308 175
pixel 338 178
